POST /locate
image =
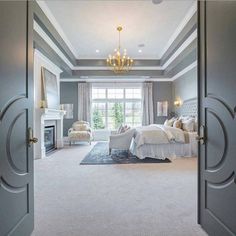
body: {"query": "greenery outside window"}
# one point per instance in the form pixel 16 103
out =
pixel 113 106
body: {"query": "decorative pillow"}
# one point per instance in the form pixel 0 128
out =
pixel 80 127
pixel 120 129
pixel 124 129
pixel 188 125
pixel 177 124
pixel 169 122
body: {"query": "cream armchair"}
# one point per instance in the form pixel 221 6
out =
pixel 80 132
pixel 121 141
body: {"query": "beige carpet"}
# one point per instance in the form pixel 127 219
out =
pixel 114 200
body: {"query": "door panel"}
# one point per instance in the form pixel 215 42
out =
pixel 217 100
pixel 16 103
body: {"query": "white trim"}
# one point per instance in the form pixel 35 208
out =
pixel 108 68
pixel 44 58
pixel 116 85
pixel 184 45
pixel 125 80
pixel 52 19
pixel 183 23
pixel 130 79
pixel 184 71
pixel 48 40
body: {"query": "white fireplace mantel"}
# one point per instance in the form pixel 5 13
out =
pixel 46 115
pixel 51 114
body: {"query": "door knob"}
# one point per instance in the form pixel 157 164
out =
pixel 201 138
pixel 31 138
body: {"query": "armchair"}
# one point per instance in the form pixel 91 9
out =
pixel 80 132
pixel 121 141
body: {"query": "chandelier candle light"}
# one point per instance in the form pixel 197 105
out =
pixel 120 63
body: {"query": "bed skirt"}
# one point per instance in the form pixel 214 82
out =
pixel 163 151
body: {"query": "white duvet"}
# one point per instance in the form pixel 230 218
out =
pixel 158 134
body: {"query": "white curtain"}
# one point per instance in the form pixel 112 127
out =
pixel 84 101
pixel 148 116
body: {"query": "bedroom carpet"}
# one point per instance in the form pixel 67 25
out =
pixel 99 155
pixel 114 200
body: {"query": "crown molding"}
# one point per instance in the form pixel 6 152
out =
pixel 184 71
pixel 119 79
pixel 183 46
pixel 38 54
pixel 52 19
pixel 130 78
pixel 181 26
pixel 108 68
pixel 49 41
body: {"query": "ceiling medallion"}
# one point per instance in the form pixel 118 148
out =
pixel 120 62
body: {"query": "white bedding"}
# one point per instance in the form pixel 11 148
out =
pixel 161 142
pixel 158 134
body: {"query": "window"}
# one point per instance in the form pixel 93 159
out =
pixel 112 107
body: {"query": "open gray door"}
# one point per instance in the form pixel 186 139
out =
pixel 217 103
pixel 16 103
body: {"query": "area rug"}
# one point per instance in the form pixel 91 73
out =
pixel 99 155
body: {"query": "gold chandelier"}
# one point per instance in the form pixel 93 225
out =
pixel 119 62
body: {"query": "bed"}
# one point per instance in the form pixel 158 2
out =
pixel 161 142
pixel 160 147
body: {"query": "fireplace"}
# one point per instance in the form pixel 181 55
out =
pixel 49 138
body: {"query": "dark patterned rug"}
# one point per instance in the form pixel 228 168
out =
pixel 99 155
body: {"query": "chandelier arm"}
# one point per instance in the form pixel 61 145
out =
pixel 119 40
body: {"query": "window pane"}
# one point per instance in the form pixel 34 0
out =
pixel 128 119
pixel 98 115
pixel 133 114
pixel 115 114
pixel 98 93
pixel 115 93
pixel 133 93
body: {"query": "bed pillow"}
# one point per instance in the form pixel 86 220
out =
pixel 169 122
pixel 188 125
pixel 177 124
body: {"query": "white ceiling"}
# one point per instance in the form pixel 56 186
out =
pixel 91 25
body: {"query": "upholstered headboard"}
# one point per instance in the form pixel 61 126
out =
pixel 188 108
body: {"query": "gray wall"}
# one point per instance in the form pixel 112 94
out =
pixel 69 94
pixel 162 91
pixel 185 87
